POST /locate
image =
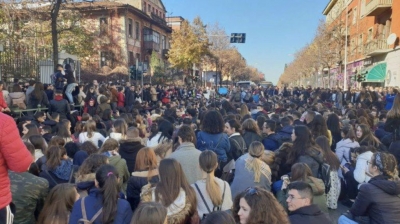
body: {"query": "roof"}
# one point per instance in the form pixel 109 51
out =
pixel 329 7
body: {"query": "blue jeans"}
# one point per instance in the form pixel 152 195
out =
pixel 68 91
pixel 344 220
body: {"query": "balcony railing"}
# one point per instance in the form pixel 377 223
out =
pixel 151 46
pixel 376 47
pixel 376 7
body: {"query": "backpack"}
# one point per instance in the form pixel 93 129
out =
pixel 84 219
pixel 237 97
pixel 247 96
pixel 324 173
pixel 53 78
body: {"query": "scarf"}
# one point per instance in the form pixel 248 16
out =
pixel 265 170
pixel 63 171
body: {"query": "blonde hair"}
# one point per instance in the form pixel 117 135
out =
pixel 208 162
pixel 90 128
pixel 256 150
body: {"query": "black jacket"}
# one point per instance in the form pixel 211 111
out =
pixel 134 188
pixel 250 137
pixel 34 102
pixel 392 124
pixel 309 214
pixel 60 106
pixel 238 146
pixel 379 199
pixel 128 150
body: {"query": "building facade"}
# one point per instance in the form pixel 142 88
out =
pixel 373 27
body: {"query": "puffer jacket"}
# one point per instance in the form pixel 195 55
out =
pixel 59 105
pixel 343 152
pixel 13 156
pixel 379 199
pixel 313 160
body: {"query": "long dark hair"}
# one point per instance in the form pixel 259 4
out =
pixel 107 177
pixel 330 157
pixel 302 145
pixel 167 129
pixel 318 126
pixel 37 92
pixel 333 123
pixel 58 205
pixel 172 179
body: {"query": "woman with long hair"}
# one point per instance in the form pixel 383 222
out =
pixel 58 167
pixel 212 193
pixel 58 205
pixel 110 149
pixel 64 130
pixel 102 203
pixel 85 177
pixel 77 130
pixel 392 123
pixel 251 132
pixel 173 192
pixel 333 124
pixel 28 130
pixel 251 171
pixel 220 217
pixel 343 147
pixel 212 137
pixel 319 127
pixel 305 150
pixel 367 138
pixel 38 98
pixel 150 213
pixel 40 146
pixel 249 207
pixel 244 110
pixel 165 131
pixel 145 172
pixel 90 134
pixel 301 172
pixel 334 163
pixel 378 199
pixel 118 130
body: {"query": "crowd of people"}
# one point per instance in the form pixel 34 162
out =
pixel 180 155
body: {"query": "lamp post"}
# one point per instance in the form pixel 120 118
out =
pixel 345 52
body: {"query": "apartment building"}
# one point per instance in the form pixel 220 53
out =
pixel 129 31
pixel 373 27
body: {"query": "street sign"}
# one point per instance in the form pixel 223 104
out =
pixel 238 38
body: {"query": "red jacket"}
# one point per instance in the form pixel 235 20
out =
pixel 13 156
pixel 3 103
pixel 121 100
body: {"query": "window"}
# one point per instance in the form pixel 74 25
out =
pixel 106 59
pixel 147 34
pixel 137 33
pixel 163 42
pixel 144 7
pixel 156 37
pixel 352 46
pixel 156 12
pixel 103 25
pixel 131 58
pixel 149 8
pixel 130 28
pixel 354 15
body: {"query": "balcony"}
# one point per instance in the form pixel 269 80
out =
pixel 376 47
pixel 151 46
pixel 376 7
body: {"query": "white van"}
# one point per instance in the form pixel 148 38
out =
pixel 245 84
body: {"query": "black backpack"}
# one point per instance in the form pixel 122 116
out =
pixel 324 173
pixel 238 97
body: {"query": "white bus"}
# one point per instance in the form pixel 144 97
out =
pixel 245 84
pixel 265 84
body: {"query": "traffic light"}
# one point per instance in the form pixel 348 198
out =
pixel 361 77
pixel 238 38
pixel 132 72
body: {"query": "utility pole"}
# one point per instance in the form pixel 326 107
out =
pixel 345 52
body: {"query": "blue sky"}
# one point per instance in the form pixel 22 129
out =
pixel 275 29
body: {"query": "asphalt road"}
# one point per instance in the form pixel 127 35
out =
pixel 335 214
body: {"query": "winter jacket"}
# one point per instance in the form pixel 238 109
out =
pixel 310 214
pixel 17 99
pixel 153 93
pixel 3 103
pixel 96 137
pixel 313 160
pixel 244 178
pixel 343 150
pixel 59 105
pixel 392 124
pixel 34 102
pixel 238 146
pixel 271 142
pixel 219 143
pixel 389 101
pixel 101 108
pixel 69 75
pixel 135 184
pixel 13 156
pixel 93 203
pixel 121 100
pixel 181 211
pixel 379 199
pixel 319 196
pixel 380 132
pixel 286 132
pixel 84 183
pixel 128 150
pixel 120 165
pixel 114 95
pixel 250 137
pixel 53 180
pixel 188 156
pixel 361 167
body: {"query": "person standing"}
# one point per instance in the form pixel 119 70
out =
pixel 13 156
pixel 3 104
pixel 71 83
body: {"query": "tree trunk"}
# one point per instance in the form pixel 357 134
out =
pixel 54 32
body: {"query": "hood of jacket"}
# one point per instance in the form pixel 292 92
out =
pixel 347 143
pixel 388 186
pixel 317 185
pixel 86 181
pixel 131 145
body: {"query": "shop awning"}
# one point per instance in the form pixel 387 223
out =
pixel 376 73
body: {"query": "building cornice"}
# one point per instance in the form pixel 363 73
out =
pixel 329 7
